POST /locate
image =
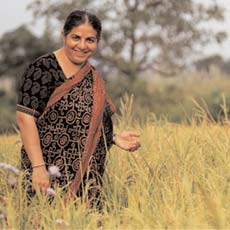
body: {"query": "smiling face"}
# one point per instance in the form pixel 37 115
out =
pixel 80 43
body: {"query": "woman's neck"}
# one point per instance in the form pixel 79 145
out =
pixel 68 67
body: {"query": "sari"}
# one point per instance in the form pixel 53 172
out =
pixel 71 128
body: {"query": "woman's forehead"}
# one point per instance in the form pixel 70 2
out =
pixel 84 29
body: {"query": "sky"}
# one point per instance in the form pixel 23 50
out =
pixel 13 13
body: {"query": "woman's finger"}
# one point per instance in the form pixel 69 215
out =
pixel 135 144
pixel 134 147
pixel 41 185
pixel 45 185
pixel 134 134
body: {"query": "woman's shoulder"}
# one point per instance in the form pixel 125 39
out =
pixel 46 60
pixel 44 69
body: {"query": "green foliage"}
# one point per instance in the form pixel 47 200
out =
pixel 143 35
pixel 174 98
pixel 213 61
pixel 20 47
pixel 7 112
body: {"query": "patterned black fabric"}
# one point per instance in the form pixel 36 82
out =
pixel 64 126
pixel 39 81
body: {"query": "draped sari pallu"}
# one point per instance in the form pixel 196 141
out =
pixel 99 100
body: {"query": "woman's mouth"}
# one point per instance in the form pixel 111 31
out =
pixel 81 53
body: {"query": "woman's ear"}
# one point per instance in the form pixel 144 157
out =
pixel 63 37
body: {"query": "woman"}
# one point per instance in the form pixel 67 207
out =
pixel 64 113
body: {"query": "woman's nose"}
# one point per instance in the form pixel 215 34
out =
pixel 82 44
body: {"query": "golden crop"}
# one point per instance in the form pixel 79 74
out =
pixel 179 178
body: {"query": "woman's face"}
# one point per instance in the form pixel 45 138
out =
pixel 80 43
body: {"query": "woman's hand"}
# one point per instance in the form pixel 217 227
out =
pixel 126 140
pixel 40 178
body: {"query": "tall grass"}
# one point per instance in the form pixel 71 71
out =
pixel 179 178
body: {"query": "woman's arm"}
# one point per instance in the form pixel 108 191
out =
pixel 31 142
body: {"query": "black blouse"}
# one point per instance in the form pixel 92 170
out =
pixel 39 81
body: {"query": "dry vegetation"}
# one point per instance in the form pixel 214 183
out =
pixel 180 178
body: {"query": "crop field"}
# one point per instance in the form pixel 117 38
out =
pixel 179 178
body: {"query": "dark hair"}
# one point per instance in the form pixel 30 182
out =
pixel 78 17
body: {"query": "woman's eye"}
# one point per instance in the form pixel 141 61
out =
pixel 91 40
pixel 76 38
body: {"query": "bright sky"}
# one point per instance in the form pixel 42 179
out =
pixel 13 13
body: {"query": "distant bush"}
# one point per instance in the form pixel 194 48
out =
pixel 177 99
pixel 2 93
pixel 7 113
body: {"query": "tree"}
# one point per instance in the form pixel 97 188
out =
pixel 140 35
pixel 206 63
pixel 216 60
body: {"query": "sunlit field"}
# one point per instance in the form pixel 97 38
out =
pixel 179 178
